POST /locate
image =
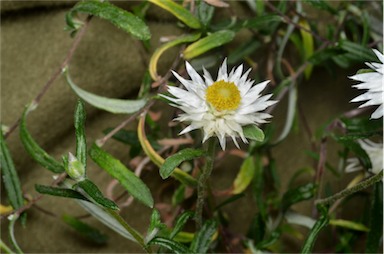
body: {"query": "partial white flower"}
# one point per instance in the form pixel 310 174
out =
pixel 375 154
pixel 220 108
pixel 373 82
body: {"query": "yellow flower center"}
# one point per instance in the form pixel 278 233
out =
pixel 223 95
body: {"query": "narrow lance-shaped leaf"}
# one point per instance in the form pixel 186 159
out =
pixel 261 21
pixel 95 194
pixel 180 175
pixel 360 52
pixel 212 41
pixel 349 224
pixel 245 176
pixel 176 159
pixel 133 184
pixel 9 175
pixel 203 238
pixel 159 51
pixel 301 193
pixel 117 16
pixel 85 230
pixel 180 222
pixel 375 235
pixel 117 106
pixel 170 244
pixel 59 192
pixel 179 12
pixel 81 144
pixel 112 220
pixel 308 45
pixel 35 151
pixel 319 225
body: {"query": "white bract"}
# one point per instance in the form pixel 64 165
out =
pixel 373 83
pixel 220 108
pixel 375 154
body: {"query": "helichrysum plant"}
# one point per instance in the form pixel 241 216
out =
pixel 217 100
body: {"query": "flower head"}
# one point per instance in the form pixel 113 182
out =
pixel 375 154
pixel 373 82
pixel 220 108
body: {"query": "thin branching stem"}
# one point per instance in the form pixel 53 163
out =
pixel 56 74
pixel 349 191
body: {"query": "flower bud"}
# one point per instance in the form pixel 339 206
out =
pixel 75 169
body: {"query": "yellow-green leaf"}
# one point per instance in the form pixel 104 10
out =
pixel 212 41
pixel 179 12
pixel 349 224
pixel 308 46
pixel 245 176
pixel 159 51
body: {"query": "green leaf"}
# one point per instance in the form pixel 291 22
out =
pixel 205 13
pixel 133 184
pixel 212 41
pixel 179 12
pixel 59 192
pixel 319 225
pixel 257 228
pixel 35 151
pixel 254 133
pixel 375 235
pixel 229 200
pixel 160 50
pixel 321 5
pixel 243 51
pixel 178 174
pixel 180 222
pixel 361 53
pixel 273 237
pixel 258 186
pixel 112 220
pixel 178 195
pixel 308 45
pixel 245 175
pixel 116 106
pixel 81 144
pixel 117 16
pixel 349 224
pixel 85 230
pixel 203 238
pixel 170 244
pixel 95 194
pixel 319 57
pixel 176 159
pixel 301 193
pixel 262 21
pixel 357 150
pixel 9 175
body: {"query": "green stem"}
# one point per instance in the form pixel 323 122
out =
pixel 202 181
pixel 5 248
pixel 358 187
pixel 11 229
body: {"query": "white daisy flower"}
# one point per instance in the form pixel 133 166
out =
pixel 373 82
pixel 220 108
pixel 375 154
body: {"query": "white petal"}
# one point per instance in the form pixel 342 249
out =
pixel 222 73
pixel 235 77
pixel 194 75
pixel 378 112
pixel 207 77
pixel 379 55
